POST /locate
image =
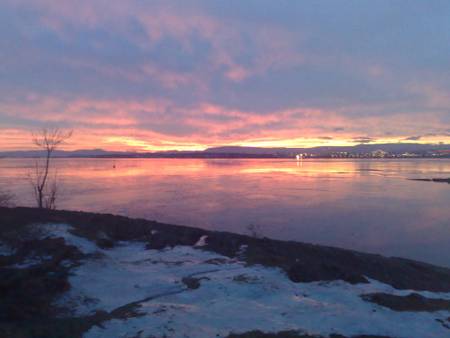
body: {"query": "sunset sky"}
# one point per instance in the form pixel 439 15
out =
pixel 158 75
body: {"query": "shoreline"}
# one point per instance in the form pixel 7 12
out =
pixel 332 262
pixel 80 274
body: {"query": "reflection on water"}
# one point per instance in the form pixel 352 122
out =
pixel 365 205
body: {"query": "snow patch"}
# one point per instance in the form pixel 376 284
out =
pixel 31 261
pixel 242 250
pixel 6 250
pixel 232 297
pixel 64 230
pixel 201 241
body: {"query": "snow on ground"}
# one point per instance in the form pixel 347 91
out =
pixel 201 241
pixel 6 250
pixel 232 297
pixel 63 230
pixel 31 262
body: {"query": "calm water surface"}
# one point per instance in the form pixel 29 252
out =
pixel 367 205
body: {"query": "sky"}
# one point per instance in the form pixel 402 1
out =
pixel 157 75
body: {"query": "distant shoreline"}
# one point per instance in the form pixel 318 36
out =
pixel 388 150
pixel 227 156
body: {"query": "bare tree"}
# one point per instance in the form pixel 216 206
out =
pixel 254 231
pixel 44 185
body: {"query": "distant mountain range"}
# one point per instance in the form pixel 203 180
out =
pixel 244 152
pixel 59 153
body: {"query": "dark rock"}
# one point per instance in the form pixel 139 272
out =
pixel 191 282
pixel 368 336
pixel 105 243
pixel 444 323
pixel 293 334
pixel 304 272
pixel 411 302
pixel 52 327
pixel 439 180
pixel 28 293
pixel 282 334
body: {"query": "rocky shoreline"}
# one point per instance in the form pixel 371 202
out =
pixel 438 180
pixel 37 268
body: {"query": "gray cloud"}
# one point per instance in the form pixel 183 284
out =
pixel 413 138
pixel 363 139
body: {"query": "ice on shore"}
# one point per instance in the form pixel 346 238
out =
pixel 202 241
pixel 6 250
pixel 232 297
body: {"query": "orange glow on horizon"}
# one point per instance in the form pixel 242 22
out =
pixel 161 125
pixel 114 140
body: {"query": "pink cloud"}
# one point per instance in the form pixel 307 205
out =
pixel 210 122
pixel 275 47
pixel 122 124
